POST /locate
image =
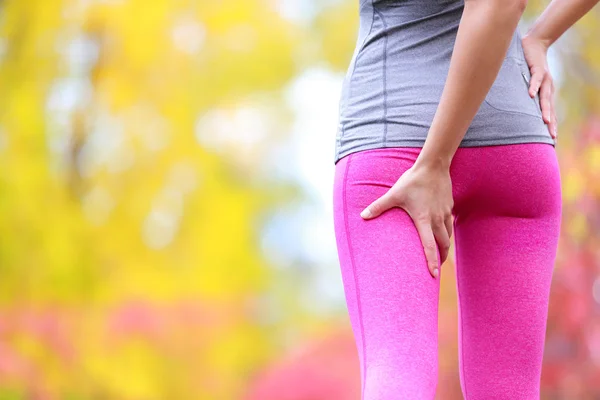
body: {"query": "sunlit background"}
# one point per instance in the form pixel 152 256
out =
pixel 166 172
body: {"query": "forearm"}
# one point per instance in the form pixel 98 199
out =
pixel 559 16
pixel 484 35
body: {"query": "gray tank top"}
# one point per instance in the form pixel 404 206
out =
pixel 397 73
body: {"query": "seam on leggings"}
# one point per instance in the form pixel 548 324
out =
pixel 357 291
pixel 462 333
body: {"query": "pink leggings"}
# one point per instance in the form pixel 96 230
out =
pixel 507 212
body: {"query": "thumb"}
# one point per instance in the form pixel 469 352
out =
pixel 377 207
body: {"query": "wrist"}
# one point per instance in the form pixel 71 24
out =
pixel 532 36
pixel 434 162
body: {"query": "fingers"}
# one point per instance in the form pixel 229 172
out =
pixel 546 100
pixel 535 82
pixel 448 224
pixel 441 237
pixel 542 81
pixel 552 126
pixel 547 105
pixel 377 207
pixel 424 228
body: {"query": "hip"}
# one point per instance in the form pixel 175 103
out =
pixel 515 180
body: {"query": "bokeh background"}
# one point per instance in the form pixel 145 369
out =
pixel 166 226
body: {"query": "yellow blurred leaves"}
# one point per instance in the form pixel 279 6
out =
pixel 108 196
pixel 337 29
pixel 572 184
pixel 130 370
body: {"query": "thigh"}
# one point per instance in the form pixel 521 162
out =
pixel 506 235
pixel 391 297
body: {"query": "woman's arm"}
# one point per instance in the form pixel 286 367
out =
pixel 483 38
pixel 425 191
pixel 554 21
pixel 559 16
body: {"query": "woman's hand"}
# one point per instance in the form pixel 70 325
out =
pixel 424 191
pixel 536 55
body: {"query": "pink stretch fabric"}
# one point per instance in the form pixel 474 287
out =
pixel 507 211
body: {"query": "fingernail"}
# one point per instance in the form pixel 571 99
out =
pixel 435 272
pixel 366 213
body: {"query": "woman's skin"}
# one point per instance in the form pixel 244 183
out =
pixel 424 191
pixel 554 21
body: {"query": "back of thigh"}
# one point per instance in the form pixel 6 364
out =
pixel 392 298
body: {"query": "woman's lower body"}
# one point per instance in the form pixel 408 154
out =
pixel 507 213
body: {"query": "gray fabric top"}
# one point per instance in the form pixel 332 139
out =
pixel 397 73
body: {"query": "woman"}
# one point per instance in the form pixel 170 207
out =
pixel 446 111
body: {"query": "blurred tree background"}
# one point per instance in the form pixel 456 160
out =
pixel 165 173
